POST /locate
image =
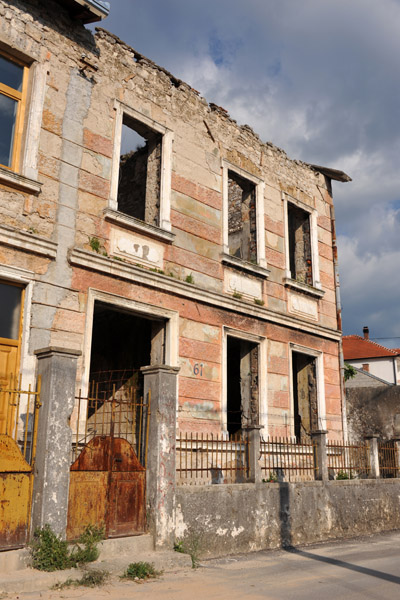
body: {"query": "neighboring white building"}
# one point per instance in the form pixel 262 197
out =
pixel 364 354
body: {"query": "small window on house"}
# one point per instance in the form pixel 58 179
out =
pixel 139 181
pixel 305 400
pixel 242 384
pixel 242 228
pixel 12 86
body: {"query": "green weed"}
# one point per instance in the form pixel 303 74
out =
pixel 140 570
pixel 94 243
pixel 50 553
pixel 89 579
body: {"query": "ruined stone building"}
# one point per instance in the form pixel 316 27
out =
pixel 146 237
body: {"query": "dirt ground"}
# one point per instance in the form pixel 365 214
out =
pixel 357 569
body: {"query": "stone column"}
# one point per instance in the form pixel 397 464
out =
pixel 254 448
pixel 57 368
pixel 161 381
pixel 374 472
pixel 320 454
pixel 396 442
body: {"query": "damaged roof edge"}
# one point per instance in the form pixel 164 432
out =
pixel 331 173
pixel 87 11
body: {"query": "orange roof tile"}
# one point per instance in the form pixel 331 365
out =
pixel 355 347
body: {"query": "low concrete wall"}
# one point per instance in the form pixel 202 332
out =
pixel 229 519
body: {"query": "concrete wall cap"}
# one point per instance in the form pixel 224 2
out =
pixel 156 368
pixel 56 350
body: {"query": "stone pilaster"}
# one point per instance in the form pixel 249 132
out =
pixel 161 381
pixel 57 368
pixel 320 454
pixel 374 472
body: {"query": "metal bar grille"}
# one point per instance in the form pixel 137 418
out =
pixel 208 458
pixel 347 461
pixel 113 408
pixel 285 459
pixel 21 415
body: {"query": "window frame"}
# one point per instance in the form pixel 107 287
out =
pixel 316 286
pixel 20 98
pixel 260 227
pixel 166 168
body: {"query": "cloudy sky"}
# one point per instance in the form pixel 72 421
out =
pixel 320 79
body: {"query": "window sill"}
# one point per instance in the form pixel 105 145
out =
pixel 243 265
pixel 139 226
pixel 303 287
pixel 29 242
pixel 15 180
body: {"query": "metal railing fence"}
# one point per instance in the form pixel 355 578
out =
pixel 206 458
pixel 20 411
pixel 388 459
pixel 286 459
pixel 347 461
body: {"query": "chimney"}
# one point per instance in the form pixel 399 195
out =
pixel 366 333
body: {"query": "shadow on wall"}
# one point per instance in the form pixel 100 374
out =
pixel 285 516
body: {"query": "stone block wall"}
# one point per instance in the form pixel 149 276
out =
pixel 182 269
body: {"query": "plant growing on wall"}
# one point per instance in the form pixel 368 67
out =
pixel 349 372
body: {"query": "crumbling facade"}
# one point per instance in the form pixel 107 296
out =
pixel 143 229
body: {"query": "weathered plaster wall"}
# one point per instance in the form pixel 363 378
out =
pixel 373 411
pixel 229 519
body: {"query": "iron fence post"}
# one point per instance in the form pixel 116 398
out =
pixel 320 454
pixel 374 472
pixel 253 452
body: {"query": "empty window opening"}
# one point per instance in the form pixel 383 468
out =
pixel 242 384
pixel 242 234
pixel 300 245
pixel 122 343
pixel 304 395
pixel 139 182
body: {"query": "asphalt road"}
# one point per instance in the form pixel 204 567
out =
pixel 358 569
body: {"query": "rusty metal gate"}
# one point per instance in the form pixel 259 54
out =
pixel 109 455
pixel 18 436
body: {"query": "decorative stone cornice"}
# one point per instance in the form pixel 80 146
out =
pixel 108 266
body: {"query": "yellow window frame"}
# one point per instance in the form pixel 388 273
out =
pixel 20 98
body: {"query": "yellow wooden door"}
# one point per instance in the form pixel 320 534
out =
pixel 11 302
pixel 9 354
